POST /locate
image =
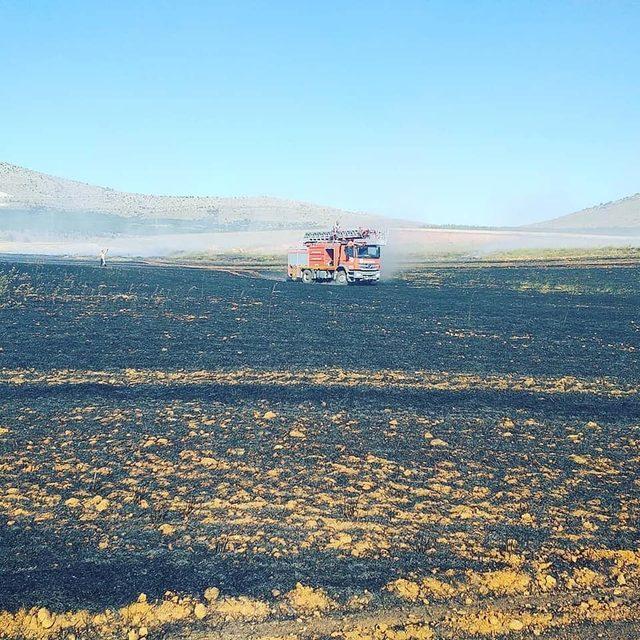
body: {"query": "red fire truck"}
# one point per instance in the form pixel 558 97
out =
pixel 343 256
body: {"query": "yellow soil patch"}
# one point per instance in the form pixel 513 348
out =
pixel 135 619
pixel 502 582
pixel 385 632
pixel 494 622
pixel 305 599
pixel 434 380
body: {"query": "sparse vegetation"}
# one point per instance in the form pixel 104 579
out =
pixel 592 253
pixel 234 259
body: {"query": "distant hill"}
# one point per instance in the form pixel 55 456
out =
pixel 35 199
pixel 38 204
pixel 619 215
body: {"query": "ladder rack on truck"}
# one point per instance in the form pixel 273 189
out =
pixel 343 235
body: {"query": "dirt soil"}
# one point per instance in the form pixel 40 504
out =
pixel 451 454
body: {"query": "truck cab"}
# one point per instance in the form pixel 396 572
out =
pixel 362 262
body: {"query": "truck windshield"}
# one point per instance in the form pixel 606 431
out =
pixel 370 251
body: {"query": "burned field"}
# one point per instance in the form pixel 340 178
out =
pixel 450 454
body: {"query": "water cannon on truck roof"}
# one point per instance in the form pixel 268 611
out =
pixel 343 256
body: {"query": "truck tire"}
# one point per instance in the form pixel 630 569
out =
pixel 341 277
pixel 307 276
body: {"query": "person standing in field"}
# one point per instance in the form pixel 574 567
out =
pixel 103 257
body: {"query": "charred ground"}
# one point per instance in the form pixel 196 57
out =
pixel 529 321
pixel 168 429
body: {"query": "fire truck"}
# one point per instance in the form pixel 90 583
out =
pixel 343 256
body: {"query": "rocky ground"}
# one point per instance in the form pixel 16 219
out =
pixel 452 454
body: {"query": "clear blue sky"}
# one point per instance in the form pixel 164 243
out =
pixel 450 112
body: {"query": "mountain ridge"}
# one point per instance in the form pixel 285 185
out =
pixel 23 190
pixel 621 214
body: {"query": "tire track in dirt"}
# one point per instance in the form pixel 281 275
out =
pixel 446 621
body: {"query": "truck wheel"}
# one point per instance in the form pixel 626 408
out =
pixel 341 277
pixel 307 276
